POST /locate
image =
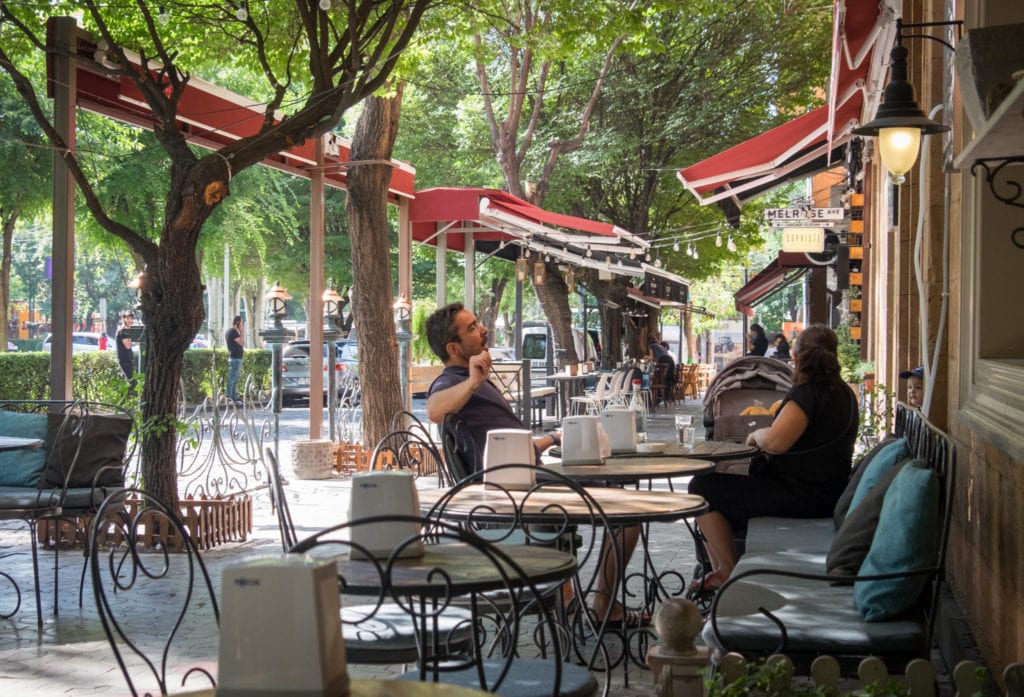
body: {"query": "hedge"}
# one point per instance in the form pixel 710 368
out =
pixel 95 375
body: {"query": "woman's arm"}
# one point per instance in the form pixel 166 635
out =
pixel 787 428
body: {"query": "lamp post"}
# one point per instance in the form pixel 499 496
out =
pixel 275 334
pixel 403 333
pixel 332 332
pixel 137 332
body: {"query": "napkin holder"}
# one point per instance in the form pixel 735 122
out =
pixel 584 441
pixel 280 629
pixel 384 493
pixel 509 446
pixel 620 425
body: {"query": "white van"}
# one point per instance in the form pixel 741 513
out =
pixel 535 345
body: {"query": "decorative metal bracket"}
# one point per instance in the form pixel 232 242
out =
pixel 998 182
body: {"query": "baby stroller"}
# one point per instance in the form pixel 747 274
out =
pixel 751 383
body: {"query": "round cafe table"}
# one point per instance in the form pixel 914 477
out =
pixel 710 450
pixel 629 470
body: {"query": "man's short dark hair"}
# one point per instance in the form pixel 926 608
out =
pixel 441 329
pixel 236 320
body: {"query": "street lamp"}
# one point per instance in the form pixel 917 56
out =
pixel 899 121
pixel 275 334
pixel 332 332
pixel 403 333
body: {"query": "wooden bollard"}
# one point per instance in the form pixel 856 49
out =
pixel 676 663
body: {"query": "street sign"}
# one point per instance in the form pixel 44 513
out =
pixel 793 214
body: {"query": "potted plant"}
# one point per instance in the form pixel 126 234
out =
pixel 865 372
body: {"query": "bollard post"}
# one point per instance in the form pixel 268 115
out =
pixel 676 663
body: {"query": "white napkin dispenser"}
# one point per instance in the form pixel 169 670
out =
pixel 509 446
pixel 280 629
pixel 584 441
pixel 384 492
pixel 620 425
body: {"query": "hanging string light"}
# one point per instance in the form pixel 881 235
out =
pixel 590 252
pixel 695 254
pixel 675 246
pixel 521 271
pixel 162 15
pixel 242 13
pixel 657 263
pixel 732 245
pixel 325 5
pixel 718 239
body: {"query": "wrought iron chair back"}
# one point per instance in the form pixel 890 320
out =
pixel 150 584
pixel 427 589
pixel 408 450
pixel 279 501
pixel 554 511
pixel 459 448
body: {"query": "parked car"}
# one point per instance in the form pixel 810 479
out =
pixel 11 346
pixel 295 371
pixel 199 342
pixel 84 341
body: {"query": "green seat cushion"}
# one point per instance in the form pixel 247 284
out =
pixel 22 467
pixel 879 466
pixel 853 539
pixel 843 504
pixel 907 538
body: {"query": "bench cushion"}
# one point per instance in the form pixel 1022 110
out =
pixel 853 539
pixel 907 538
pixel 798 536
pixel 22 467
pixel 104 441
pixel 880 465
pixel 21 498
pixel 843 504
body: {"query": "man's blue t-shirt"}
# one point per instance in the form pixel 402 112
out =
pixel 487 409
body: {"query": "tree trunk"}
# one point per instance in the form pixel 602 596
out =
pixel 8 221
pixel 554 300
pixel 366 208
pixel 688 333
pixel 489 313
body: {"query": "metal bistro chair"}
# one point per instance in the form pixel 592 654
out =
pixel 412 451
pixel 378 633
pixel 151 586
pixel 554 512
pixel 490 662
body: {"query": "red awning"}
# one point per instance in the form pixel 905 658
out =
pixel 211 117
pixel 808 144
pixel 491 215
pixel 783 270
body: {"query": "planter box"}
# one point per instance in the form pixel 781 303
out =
pixel 856 252
pixel 856 279
pixel 351 457
pixel 210 522
pixel 855 305
pixel 855 333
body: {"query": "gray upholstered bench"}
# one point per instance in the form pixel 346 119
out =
pixel 781 598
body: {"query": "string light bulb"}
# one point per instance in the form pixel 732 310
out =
pixel 162 15
pixel 325 5
pixel 242 14
pixel 675 246
pixel 695 254
pixel 657 263
pixel 590 252
pixel 731 246
pixel 718 240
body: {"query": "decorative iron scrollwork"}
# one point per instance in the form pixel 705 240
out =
pixel 1008 191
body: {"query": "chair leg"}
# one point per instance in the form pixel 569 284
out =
pixel 35 575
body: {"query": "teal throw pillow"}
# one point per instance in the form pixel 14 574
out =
pixel 22 467
pixel 907 538
pixel 881 464
pixel 843 504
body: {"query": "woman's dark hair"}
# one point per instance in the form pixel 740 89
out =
pixel 441 329
pixel 782 338
pixel 816 355
pixel 758 329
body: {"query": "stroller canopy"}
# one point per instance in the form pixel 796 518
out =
pixel 748 373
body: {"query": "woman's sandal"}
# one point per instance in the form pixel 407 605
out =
pixel 631 619
pixel 711 582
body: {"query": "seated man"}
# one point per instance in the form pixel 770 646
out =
pixel 463 388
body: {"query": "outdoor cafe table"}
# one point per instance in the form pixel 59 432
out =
pixel 384 688
pixel 621 507
pixel 465 569
pixel 710 450
pixel 629 470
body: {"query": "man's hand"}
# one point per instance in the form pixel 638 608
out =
pixel 479 368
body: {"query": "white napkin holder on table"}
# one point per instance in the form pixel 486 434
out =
pixel 620 425
pixel 384 492
pixel 509 446
pixel 280 629
pixel 584 441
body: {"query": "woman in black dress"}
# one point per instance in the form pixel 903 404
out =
pixel 804 462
